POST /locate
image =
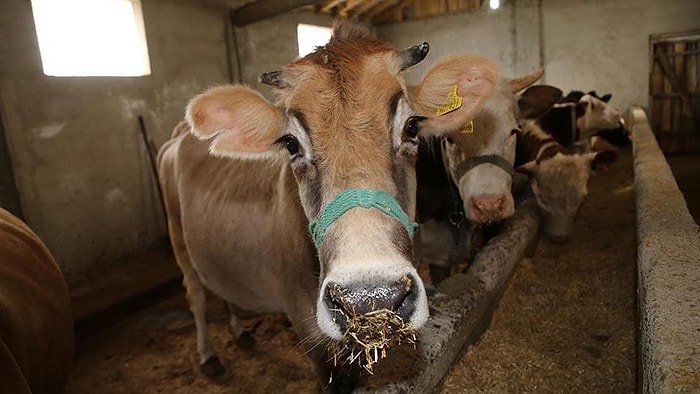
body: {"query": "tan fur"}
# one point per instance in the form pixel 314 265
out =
pixel 239 118
pixel 474 76
pixel 36 322
pixel 239 223
pixel 521 83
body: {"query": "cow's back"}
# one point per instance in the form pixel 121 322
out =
pixel 36 322
pixel 560 123
pixel 239 222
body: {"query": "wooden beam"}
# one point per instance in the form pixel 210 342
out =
pixel 379 8
pixel 328 7
pixel 359 12
pixel 264 9
pixel 386 16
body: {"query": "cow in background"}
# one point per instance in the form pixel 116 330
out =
pixel 465 177
pixel 36 322
pixel 306 206
pixel 559 179
pixel 580 116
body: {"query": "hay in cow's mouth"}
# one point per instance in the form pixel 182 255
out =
pixel 369 336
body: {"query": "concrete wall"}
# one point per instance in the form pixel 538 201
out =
pixel 80 166
pixel 597 45
pixel 269 44
pixel 509 36
pixel 81 169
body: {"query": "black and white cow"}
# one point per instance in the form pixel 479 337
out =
pixel 580 116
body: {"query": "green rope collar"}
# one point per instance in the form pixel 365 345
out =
pixel 365 198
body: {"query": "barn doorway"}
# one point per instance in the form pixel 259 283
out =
pixel 674 90
pixel 9 196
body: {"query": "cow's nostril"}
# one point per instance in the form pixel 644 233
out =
pixel 360 300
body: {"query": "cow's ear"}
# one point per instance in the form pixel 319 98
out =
pixel 239 121
pixel 530 168
pixel 600 161
pixel 606 97
pixel 452 90
pixel 538 99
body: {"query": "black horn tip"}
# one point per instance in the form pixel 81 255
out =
pixel 272 78
pixel 414 55
pixel 423 48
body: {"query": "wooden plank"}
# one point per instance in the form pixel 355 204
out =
pixel 676 83
pixel 394 13
pixel 666 88
pixel 363 8
pixel 264 9
pixel 656 83
pixel 330 5
pixel 379 8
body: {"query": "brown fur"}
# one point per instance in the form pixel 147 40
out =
pixel 337 103
pixel 36 323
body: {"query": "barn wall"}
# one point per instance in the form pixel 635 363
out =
pixel 269 44
pixel 499 35
pixel 597 45
pixel 81 169
pixel 604 44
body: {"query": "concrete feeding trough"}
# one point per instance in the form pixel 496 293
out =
pixel 459 311
pixel 668 269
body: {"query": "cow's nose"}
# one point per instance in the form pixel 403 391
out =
pixel 488 207
pixel 359 300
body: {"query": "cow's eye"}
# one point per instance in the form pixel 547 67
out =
pixel 411 127
pixel 291 143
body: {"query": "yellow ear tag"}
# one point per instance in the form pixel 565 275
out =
pixel 468 127
pixel 453 102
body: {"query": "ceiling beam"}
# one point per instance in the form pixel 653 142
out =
pixel 263 9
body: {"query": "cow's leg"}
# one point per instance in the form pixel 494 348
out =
pixel 209 363
pixel 196 294
pixel 244 339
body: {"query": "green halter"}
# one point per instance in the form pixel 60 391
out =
pixel 365 198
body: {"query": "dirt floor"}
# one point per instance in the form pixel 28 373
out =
pixel 566 323
pixel 567 320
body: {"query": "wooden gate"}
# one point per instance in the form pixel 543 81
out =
pixel 674 90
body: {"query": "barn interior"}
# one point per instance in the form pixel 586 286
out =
pixel 76 164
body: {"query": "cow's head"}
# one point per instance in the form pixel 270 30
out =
pixel 349 128
pixel 560 183
pixel 480 156
pixel 593 114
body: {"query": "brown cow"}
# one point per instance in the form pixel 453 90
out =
pixel 559 179
pixel 36 322
pixel 242 188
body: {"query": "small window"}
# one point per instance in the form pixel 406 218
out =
pixel 91 37
pixel 309 37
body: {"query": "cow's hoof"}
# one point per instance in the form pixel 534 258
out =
pixel 212 367
pixel 245 341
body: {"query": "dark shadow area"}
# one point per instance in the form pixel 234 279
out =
pixel 686 170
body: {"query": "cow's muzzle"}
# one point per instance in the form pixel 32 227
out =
pixel 350 301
